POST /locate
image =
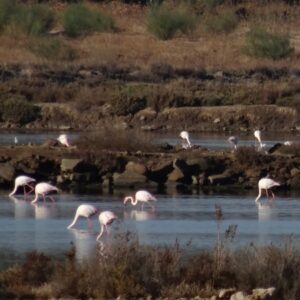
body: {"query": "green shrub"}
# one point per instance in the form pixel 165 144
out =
pixel 126 105
pixel 164 23
pixel 79 20
pixel 18 110
pixel 212 3
pixel 263 44
pixel 33 20
pixel 224 23
pixel 7 10
pixel 52 49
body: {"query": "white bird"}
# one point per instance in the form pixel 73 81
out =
pixel 64 140
pixel 23 181
pixel 185 136
pixel 288 143
pixel 44 189
pixel 233 140
pixel 257 135
pixel 105 218
pixel 141 196
pixel 266 184
pixel 16 140
pixel 85 211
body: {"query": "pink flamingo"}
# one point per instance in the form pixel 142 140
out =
pixel 43 189
pixel 23 181
pixel 105 218
pixel 141 196
pixel 266 184
pixel 64 140
pixel 85 211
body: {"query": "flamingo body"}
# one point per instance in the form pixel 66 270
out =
pixel 43 189
pixel 141 196
pixel 266 184
pixel 64 140
pixel 233 140
pixel 105 218
pixel 185 136
pixel 85 211
pixel 23 181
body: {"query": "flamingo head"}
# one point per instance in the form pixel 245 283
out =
pixel 128 198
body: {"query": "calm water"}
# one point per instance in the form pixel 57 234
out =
pixel 208 140
pixel 190 219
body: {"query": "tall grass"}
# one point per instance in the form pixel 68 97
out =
pixel 165 23
pixel 129 270
pixel 7 10
pixel 263 44
pixel 79 20
pixel 226 23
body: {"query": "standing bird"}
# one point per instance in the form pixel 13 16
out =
pixel 141 196
pixel 85 211
pixel 64 140
pixel 43 189
pixel 105 218
pixel 257 135
pixel 185 136
pixel 23 181
pixel 233 140
pixel 266 184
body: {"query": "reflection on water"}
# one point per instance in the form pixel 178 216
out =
pixel 190 219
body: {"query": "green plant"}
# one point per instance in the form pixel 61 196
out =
pixel 223 23
pixel 164 23
pixel 33 20
pixel 263 44
pixel 52 49
pixel 7 9
pixel 18 110
pixel 80 20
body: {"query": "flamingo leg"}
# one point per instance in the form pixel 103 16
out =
pixel 273 196
pixel 143 205
pixel 152 206
pixel 51 198
pixel 31 189
pixel 90 225
pixel 44 197
pixel 267 193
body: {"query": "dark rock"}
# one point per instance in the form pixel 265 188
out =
pixel 7 172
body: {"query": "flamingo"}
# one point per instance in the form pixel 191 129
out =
pixel 257 135
pixel 288 143
pixel 233 140
pixel 64 140
pixel 141 196
pixel 43 188
pixel 105 218
pixel 85 211
pixel 23 181
pixel 185 136
pixel 266 184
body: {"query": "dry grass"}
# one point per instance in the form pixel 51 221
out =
pixel 127 269
pixel 132 45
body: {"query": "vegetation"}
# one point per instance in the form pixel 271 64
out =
pixel 133 271
pixel 52 49
pixel 18 110
pixel 79 20
pixel 226 22
pixel 263 44
pixel 165 23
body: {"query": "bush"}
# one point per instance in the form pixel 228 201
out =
pixel 18 111
pixel 52 49
pixel 164 24
pixel 7 9
pixel 224 23
pixel 263 44
pixel 33 20
pixel 79 20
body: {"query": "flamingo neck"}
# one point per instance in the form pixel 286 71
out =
pixel 35 198
pixel 14 190
pixel 101 232
pixel 74 221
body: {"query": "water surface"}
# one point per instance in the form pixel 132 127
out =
pixel 190 219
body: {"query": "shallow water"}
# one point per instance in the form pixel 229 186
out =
pixel 190 219
pixel 207 140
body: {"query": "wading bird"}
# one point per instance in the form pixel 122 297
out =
pixel 233 140
pixel 185 136
pixel 257 135
pixel 64 140
pixel 44 189
pixel 105 218
pixel 85 211
pixel 23 181
pixel 141 196
pixel 266 184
